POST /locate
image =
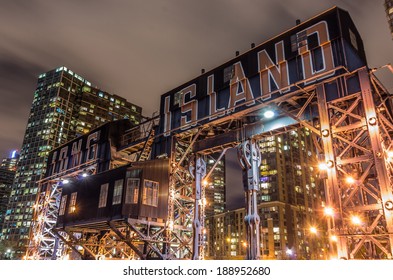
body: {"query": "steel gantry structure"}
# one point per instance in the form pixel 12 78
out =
pixel 319 80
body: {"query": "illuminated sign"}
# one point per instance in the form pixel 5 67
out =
pixel 75 153
pixel 299 58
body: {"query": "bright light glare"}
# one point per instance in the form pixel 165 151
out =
pixel 356 220
pixel 390 154
pixel 328 211
pixel 322 166
pixel 333 238
pixel 313 230
pixel 204 183
pixel 84 175
pixel 65 181
pixel 289 252
pixel 268 114
pixel 350 180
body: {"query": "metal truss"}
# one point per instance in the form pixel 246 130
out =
pixel 130 239
pixel 44 244
pixel 353 134
pixel 182 199
pixel 356 133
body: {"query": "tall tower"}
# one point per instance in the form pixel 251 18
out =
pixel 289 200
pixel 389 14
pixel 65 105
pixel 7 174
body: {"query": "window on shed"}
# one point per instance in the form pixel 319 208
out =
pixel 150 193
pixel 132 191
pixel 117 192
pixel 103 195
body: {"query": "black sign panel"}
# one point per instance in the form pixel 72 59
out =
pixel 320 48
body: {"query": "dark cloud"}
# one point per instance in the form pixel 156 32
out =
pixel 141 49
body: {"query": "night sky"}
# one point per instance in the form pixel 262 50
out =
pixel 142 49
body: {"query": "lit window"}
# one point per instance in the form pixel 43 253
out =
pixel 117 192
pixel 103 195
pixel 63 205
pixel 72 207
pixel 132 191
pixel 150 193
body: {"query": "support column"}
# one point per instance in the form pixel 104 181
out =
pixel 250 160
pixel 331 184
pixel 379 154
pixel 198 172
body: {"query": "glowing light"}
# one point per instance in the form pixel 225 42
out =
pixel 350 180
pixel 204 183
pixel 328 211
pixel 313 230
pixel 244 244
pixel 289 252
pixel 84 175
pixel 268 114
pixel 390 154
pixel 334 238
pixel 65 181
pixel 356 220
pixel 322 166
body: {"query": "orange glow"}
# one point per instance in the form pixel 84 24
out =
pixel 356 220
pixel 313 230
pixel 350 180
pixel 328 211
pixel 322 166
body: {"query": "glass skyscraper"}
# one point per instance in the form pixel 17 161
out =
pixel 290 201
pixel 65 105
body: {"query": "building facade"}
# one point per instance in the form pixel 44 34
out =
pixel 215 188
pixel 65 105
pixel 389 14
pixel 7 174
pixel 290 202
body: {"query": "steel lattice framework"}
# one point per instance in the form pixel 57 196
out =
pixel 353 134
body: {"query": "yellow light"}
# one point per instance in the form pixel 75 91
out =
pixel 350 180
pixel 390 154
pixel 204 183
pixel 244 244
pixel 328 211
pixel 356 220
pixel 313 230
pixel 228 239
pixel 334 238
pixel 322 166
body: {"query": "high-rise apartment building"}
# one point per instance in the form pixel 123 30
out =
pixel 7 174
pixel 215 188
pixel 65 105
pixel 389 14
pixel 290 204
pixel 11 162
